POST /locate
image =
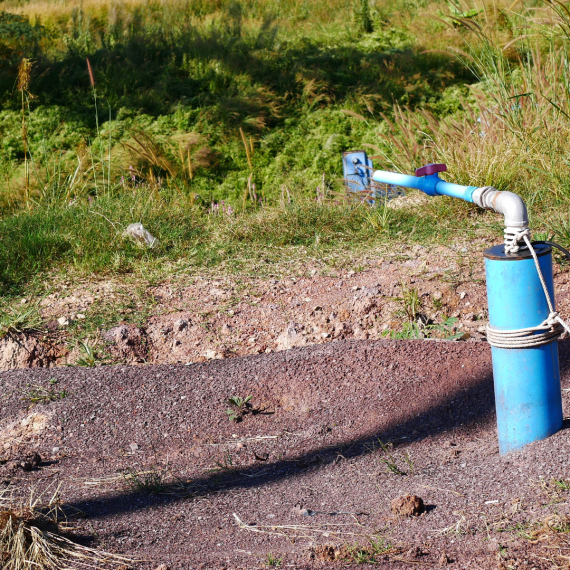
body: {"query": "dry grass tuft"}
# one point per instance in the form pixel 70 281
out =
pixel 31 538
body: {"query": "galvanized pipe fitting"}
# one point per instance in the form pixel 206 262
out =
pixel 509 204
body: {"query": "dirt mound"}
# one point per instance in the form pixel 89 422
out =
pixel 199 319
pixel 152 467
pixel 408 506
pixel 22 351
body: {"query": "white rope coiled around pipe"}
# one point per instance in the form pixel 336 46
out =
pixel 547 331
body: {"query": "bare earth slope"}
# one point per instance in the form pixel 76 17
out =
pixel 306 475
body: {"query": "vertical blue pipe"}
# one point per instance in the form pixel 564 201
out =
pixel 527 381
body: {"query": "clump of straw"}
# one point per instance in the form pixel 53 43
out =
pixel 31 539
pixel 23 86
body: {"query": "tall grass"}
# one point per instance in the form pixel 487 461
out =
pixel 513 130
pixel 188 78
pixel 252 103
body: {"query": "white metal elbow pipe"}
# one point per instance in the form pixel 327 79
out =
pixel 509 204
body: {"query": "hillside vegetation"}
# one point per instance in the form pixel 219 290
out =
pixel 220 125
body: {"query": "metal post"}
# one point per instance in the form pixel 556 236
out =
pixel 527 381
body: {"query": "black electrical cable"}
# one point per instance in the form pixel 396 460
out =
pixel 553 244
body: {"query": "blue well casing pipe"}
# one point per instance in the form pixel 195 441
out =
pixel 528 398
pixel 527 380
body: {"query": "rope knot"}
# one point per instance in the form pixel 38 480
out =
pixel 550 329
pixel 513 236
pixel 553 319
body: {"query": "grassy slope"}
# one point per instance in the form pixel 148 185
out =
pixel 246 102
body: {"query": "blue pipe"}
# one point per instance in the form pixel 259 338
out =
pixel 527 381
pixel 528 398
pixel 431 185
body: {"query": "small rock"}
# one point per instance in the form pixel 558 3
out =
pixel 291 337
pixel 23 301
pixel 63 321
pixel 342 329
pixel 80 316
pixel 213 355
pixel 300 511
pixel 444 560
pixel 55 450
pixel 180 324
pixel 133 447
pixel 360 333
pixel 437 296
pixel 325 335
pixel 30 461
pixel 162 567
pixel 408 506
pixel 462 295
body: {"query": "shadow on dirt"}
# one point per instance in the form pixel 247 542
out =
pixel 469 407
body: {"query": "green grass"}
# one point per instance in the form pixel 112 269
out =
pixel 40 395
pixel 175 86
pixel 220 127
pixel 14 320
pixel 85 239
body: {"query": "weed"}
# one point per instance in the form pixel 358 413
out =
pixel 366 554
pixel 14 320
pixel 272 561
pixel 240 407
pixel 149 482
pixel 389 460
pixel 419 330
pixel 562 484
pixel 89 356
pixel 40 395
pixel 555 489
pixel 379 545
pixel 410 301
pixel 502 551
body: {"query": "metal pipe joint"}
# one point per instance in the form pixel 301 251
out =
pixel 509 204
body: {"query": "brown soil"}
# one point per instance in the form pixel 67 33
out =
pixel 408 506
pixel 198 319
pixel 151 466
